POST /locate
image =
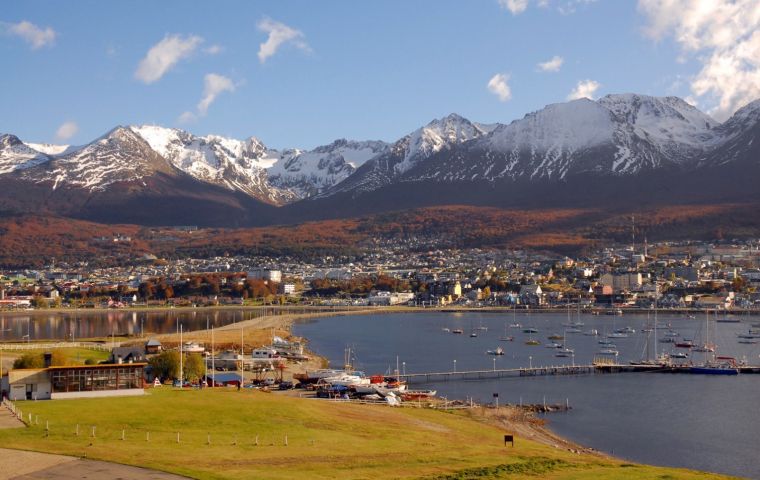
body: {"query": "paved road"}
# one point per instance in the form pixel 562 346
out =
pixel 21 465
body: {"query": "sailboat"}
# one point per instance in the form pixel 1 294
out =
pixel 706 346
pixel 507 338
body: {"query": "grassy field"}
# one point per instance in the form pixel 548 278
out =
pixel 325 439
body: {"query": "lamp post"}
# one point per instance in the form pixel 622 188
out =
pixel 455 366
pixel 403 366
pixel 530 361
pixel 494 364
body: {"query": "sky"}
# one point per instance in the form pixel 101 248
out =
pixel 298 74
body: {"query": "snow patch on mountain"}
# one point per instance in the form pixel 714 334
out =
pixel 16 155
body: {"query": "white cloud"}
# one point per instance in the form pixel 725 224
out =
pixel 516 7
pixel 67 130
pixel 164 55
pixel 213 49
pixel 498 86
pixel 213 86
pixel 551 65
pixel 279 33
pixel 565 7
pixel 32 34
pixel 584 89
pixel 724 36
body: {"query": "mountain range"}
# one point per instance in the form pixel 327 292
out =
pixel 625 150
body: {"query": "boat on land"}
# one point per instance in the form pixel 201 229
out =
pixel 418 394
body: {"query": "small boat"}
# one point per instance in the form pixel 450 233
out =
pixel 573 330
pixel 684 344
pixel 555 337
pixel 614 311
pixel 515 325
pixel 617 335
pixel 748 341
pixel 446 329
pixel 609 352
pixel 565 352
pixel 417 394
pixel 678 355
pixel 532 342
pixel 554 345
pixel 498 351
pixel 668 340
pixel 625 330
pixel 707 347
pixel 507 339
pixel 728 320
pixel 604 341
pixel 530 330
pixel 457 331
pixel 671 333
pixel 473 334
pixel 591 333
pixel 573 324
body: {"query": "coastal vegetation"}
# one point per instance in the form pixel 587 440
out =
pixel 224 433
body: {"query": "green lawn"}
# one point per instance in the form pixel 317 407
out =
pixel 325 439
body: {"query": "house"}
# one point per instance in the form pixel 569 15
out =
pixel 531 295
pixel 153 346
pixel 79 381
pixel 127 355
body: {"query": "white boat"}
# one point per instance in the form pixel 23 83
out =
pixel 497 351
pixel 591 333
pixel 565 352
pixel 573 330
pixel 678 355
pixel 609 352
pixel 617 335
pixel 625 330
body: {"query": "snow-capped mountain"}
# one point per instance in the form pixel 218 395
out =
pixel 118 156
pixel 440 135
pixel 16 155
pixel 617 135
pixel 307 173
pixel 638 144
pixel 238 165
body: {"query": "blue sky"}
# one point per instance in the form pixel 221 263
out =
pixel 360 70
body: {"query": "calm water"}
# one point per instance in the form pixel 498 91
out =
pixel 83 324
pixel 694 421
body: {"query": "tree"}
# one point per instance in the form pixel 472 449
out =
pixel 166 365
pixel 38 301
pixel 29 360
pixel 194 367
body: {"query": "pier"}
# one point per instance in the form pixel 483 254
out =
pixel 595 368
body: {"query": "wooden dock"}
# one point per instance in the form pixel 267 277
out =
pixel 595 368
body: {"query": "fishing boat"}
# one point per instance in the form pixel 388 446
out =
pixel 497 351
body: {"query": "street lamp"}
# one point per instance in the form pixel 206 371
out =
pixel 530 361
pixel 494 364
pixel 403 366
pixel 455 366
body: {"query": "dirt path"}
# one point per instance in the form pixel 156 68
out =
pixel 19 464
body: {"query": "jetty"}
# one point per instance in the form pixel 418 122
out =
pixel 602 367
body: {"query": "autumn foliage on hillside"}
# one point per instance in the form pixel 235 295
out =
pixel 36 240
